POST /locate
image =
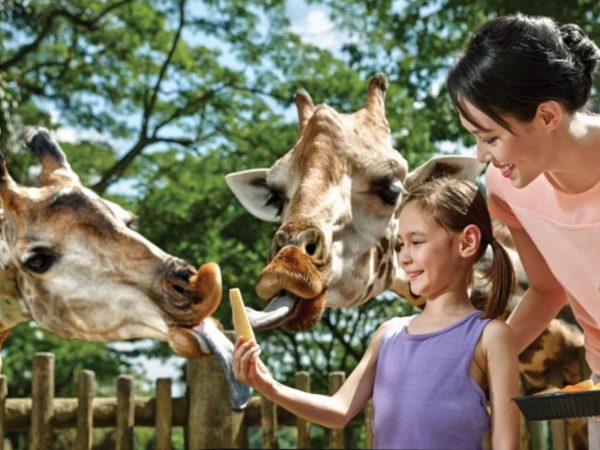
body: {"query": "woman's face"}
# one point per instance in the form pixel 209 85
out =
pixel 521 156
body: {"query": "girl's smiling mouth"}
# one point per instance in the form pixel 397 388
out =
pixel 413 275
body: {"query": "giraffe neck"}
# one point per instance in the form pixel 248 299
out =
pixel 384 264
pixel 12 307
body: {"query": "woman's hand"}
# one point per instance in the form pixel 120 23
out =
pixel 247 366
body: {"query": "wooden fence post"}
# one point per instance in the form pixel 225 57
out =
pixel 368 410
pixel 268 423
pixel 85 410
pixel 42 401
pixel 125 413
pixel 164 414
pixel 337 438
pixel 303 383
pixel 3 395
pixel 211 423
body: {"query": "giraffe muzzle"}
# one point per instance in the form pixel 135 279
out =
pixel 191 297
pixel 291 270
pixel 296 289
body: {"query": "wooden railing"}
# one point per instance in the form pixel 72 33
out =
pixel 204 413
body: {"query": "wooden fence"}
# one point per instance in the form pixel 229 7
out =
pixel 204 413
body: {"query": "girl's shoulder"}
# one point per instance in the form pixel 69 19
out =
pixel 496 334
pixel 394 325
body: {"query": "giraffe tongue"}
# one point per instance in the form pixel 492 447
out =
pixel 275 314
pixel 207 334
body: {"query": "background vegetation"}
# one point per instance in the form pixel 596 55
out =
pixel 165 97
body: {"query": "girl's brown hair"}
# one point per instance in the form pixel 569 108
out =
pixel 455 204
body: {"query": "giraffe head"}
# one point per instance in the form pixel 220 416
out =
pixel 336 194
pixel 70 261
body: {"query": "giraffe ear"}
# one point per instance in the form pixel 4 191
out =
pixel 462 167
pixel 123 215
pixel 250 188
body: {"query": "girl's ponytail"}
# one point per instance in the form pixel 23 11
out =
pixel 502 278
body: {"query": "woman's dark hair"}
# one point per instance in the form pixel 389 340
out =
pixel 454 204
pixel 514 63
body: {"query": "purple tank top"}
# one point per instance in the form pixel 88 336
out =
pixel 424 396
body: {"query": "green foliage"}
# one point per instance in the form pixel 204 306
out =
pixel 71 357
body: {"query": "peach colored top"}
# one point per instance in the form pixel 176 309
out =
pixel 566 230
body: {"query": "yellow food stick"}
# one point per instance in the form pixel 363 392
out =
pixel 240 318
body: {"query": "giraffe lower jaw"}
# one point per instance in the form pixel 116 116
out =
pixel 207 338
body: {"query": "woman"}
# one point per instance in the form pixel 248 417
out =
pixel 521 87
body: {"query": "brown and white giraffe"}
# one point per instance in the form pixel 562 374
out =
pixel 336 194
pixel 70 261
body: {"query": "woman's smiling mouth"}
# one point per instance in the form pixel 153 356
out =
pixel 505 169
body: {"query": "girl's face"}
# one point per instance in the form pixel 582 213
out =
pixel 521 157
pixel 429 254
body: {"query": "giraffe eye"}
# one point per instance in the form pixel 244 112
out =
pixel 40 262
pixel 390 192
pixel 276 201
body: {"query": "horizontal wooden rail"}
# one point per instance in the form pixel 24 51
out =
pixel 18 413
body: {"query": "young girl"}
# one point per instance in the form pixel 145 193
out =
pixel 521 88
pixel 428 373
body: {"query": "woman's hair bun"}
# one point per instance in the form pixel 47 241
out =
pixel 581 46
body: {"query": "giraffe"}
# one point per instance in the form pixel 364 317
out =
pixel 336 194
pixel 70 261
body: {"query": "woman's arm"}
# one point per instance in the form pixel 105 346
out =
pixel 329 411
pixel 543 299
pixel 503 379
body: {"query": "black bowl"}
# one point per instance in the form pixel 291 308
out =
pixel 560 405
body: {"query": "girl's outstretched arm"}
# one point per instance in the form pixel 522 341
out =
pixel 503 380
pixel 330 411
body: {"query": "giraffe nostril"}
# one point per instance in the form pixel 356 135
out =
pixel 311 249
pixel 179 289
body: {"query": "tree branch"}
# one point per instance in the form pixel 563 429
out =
pixel 119 167
pixel 193 104
pixel 76 19
pixel 150 103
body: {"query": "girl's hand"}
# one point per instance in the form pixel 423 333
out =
pixel 247 366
